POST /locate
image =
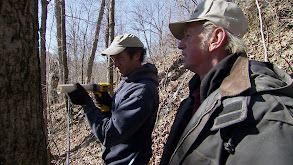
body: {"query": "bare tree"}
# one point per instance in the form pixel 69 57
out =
pixel 22 135
pixel 111 25
pixel 112 20
pixel 94 48
pixel 43 49
pixel 84 52
pixel 77 40
pixel 61 39
pixel 141 27
pixel 43 62
pixel 186 7
pixel 81 32
pixel 150 18
pixel 107 43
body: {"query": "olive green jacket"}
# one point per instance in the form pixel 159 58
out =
pixel 247 120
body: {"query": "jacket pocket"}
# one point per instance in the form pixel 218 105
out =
pixel 196 158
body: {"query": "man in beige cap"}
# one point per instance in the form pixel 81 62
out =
pixel 126 131
pixel 239 112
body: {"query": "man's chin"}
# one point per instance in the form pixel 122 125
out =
pixel 118 70
pixel 186 66
pixel 121 73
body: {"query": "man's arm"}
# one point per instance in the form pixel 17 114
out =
pixel 126 119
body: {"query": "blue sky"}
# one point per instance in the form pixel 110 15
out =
pixel 77 10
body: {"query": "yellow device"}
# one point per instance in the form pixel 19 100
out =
pixel 98 89
pixel 95 88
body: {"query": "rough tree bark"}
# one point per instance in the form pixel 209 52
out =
pixel 61 39
pixel 97 33
pixel 22 135
pixel 44 63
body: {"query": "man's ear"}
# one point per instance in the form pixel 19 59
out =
pixel 217 39
pixel 137 55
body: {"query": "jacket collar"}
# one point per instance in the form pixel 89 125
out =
pixel 216 75
pixel 238 80
pixel 147 71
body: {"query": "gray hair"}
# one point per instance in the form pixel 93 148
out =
pixel 234 44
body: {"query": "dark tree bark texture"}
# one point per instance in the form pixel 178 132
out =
pixel 22 134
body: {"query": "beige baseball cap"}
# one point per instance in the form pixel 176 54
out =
pixel 121 42
pixel 224 14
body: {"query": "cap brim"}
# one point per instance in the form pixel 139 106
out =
pixel 178 28
pixel 113 50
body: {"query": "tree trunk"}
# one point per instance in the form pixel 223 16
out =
pixel 44 65
pixel 61 39
pixel 22 135
pixel 63 34
pixel 43 51
pixel 107 27
pixel 111 38
pixel 112 21
pixel 97 33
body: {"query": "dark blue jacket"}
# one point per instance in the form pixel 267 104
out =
pixel 127 133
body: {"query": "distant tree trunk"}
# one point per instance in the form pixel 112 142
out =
pixel 107 27
pixel 43 50
pixel 112 21
pixel 44 64
pixel 53 80
pixel 64 52
pixel 111 38
pixel 83 57
pixel 59 36
pixel 61 39
pixel 97 33
pixel 22 135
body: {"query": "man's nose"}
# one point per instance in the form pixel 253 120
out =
pixel 181 45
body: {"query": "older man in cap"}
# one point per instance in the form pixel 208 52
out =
pixel 239 112
pixel 126 131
